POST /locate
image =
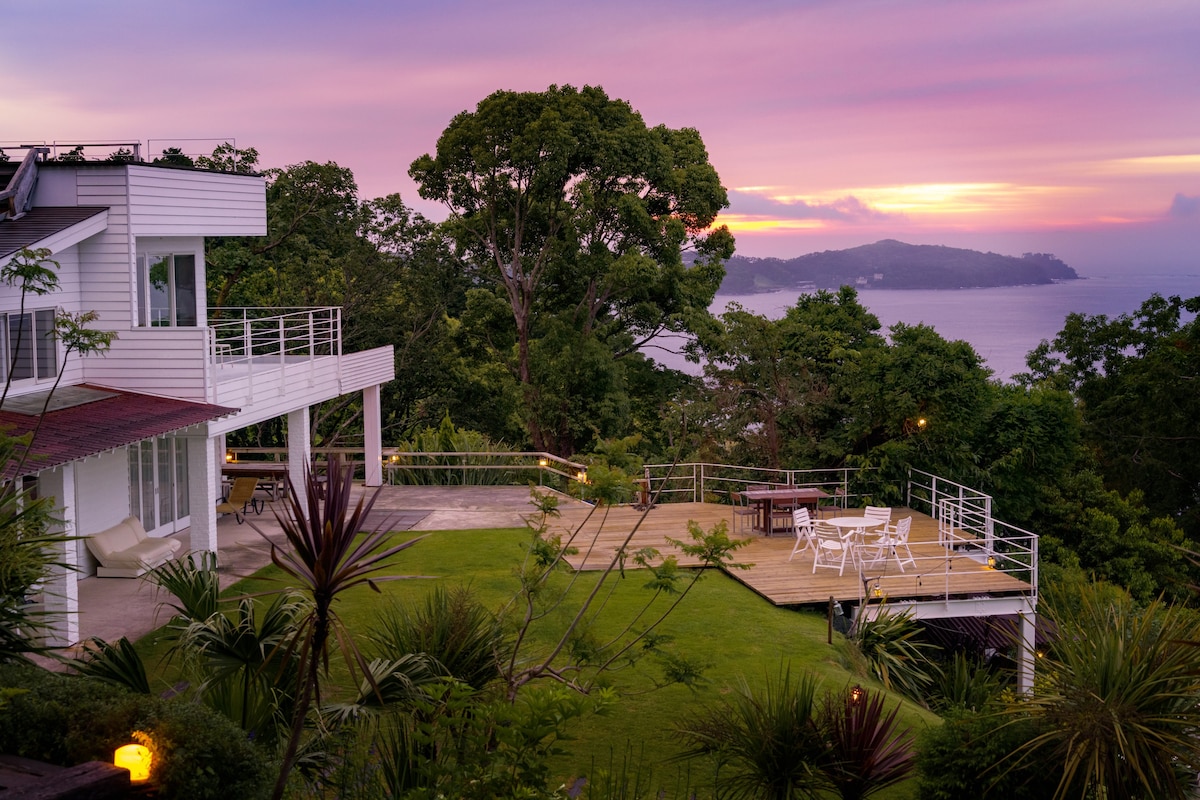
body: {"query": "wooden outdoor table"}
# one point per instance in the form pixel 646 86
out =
pixel 272 473
pixel 766 499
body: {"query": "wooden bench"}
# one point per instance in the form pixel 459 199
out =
pixel 125 551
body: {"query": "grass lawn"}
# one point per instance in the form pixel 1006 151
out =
pixel 734 632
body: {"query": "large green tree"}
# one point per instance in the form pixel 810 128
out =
pixel 572 209
pixel 1137 381
pixel 785 393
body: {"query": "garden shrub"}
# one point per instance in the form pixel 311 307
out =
pixel 965 758
pixel 451 626
pixel 66 720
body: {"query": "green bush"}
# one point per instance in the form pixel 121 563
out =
pixel 451 626
pixel 65 720
pixel 966 758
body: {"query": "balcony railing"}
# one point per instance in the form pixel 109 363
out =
pixel 274 335
pixel 697 482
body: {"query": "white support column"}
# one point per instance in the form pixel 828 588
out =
pixel 204 489
pixel 60 592
pixel 1027 652
pixel 219 451
pixel 299 452
pixel 372 437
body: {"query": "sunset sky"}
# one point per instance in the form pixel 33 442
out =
pixel 1065 126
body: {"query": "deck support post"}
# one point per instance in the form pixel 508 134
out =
pixel 204 458
pixel 1027 652
pixel 60 594
pixel 299 453
pixel 372 437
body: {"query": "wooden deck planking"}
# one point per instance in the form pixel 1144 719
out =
pixel 938 572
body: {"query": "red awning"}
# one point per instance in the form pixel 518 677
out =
pixel 89 420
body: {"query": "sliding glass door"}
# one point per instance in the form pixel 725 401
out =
pixel 158 485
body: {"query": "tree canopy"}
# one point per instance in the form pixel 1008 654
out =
pixel 576 213
pixel 1137 380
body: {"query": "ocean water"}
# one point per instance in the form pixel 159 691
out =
pixel 1003 324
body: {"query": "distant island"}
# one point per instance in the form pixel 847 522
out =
pixel 890 264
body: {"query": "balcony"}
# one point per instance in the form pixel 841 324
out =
pixel 245 357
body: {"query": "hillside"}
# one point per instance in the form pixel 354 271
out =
pixel 890 264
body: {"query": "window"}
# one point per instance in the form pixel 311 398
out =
pixel 167 290
pixel 28 345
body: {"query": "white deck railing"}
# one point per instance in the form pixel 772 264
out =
pixel 696 481
pixel 274 335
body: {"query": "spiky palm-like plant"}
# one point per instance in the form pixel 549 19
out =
pixel 329 551
pixel 1118 699
pixel 893 651
pixel 766 743
pixel 194 583
pixel 452 627
pixel 865 751
pixel 244 665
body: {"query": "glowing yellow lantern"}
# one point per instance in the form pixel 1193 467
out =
pixel 136 759
pixel 228 457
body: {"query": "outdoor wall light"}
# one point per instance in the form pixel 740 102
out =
pixel 228 456
pixel 136 759
pixel 542 462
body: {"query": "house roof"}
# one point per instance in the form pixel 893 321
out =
pixel 40 223
pixel 89 420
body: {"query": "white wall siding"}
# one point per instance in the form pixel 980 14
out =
pixel 177 202
pixel 163 361
pixel 107 259
pixel 56 187
pixel 101 497
pixel 368 368
pixel 69 296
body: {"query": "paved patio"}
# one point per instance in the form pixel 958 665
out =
pixel 114 607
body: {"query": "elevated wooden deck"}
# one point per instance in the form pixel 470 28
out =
pixel 939 572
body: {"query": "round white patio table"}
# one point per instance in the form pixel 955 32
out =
pixel 853 531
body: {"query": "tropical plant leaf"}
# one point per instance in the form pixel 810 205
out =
pixel 117 663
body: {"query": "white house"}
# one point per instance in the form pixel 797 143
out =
pixel 140 431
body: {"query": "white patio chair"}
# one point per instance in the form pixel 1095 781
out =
pixel 880 513
pixel 743 513
pixel 802 524
pixel 831 549
pixel 894 538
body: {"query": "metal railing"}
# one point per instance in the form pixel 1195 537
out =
pixel 460 468
pixel 1015 554
pixel 483 467
pixel 274 335
pixel 698 481
pixel 964 514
